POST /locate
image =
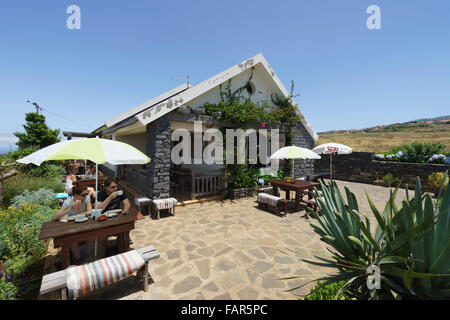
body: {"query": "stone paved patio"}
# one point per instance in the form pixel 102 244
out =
pixel 229 250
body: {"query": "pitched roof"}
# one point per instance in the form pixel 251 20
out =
pixel 169 101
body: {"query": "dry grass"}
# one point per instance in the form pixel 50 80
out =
pixel 385 141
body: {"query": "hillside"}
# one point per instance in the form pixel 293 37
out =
pixel 385 137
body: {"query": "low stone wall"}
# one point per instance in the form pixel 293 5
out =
pixel 362 167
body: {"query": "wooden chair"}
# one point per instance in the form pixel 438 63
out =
pixel 57 280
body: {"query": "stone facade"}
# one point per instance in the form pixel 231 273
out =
pixel 158 149
pixel 302 138
pixel 362 167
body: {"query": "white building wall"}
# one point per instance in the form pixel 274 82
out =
pixel 262 83
pixel 138 140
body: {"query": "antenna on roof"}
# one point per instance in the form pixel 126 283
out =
pixel 182 77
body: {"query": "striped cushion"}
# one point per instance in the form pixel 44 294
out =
pixel 142 201
pixel 98 274
pixel 268 199
pixel 269 190
pixel 165 203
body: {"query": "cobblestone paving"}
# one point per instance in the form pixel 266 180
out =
pixel 230 250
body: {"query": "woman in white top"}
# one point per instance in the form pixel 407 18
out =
pixel 80 203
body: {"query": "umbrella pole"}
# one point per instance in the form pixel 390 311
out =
pixel 292 170
pixel 331 167
pixel 96 184
pixel 96 205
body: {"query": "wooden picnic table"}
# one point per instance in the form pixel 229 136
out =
pixel 298 186
pixel 66 233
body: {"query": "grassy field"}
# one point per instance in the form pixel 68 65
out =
pixel 384 141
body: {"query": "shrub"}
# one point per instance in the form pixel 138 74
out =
pixel 416 152
pixel 239 176
pixel 7 288
pixel 420 152
pixel 328 292
pixel 389 179
pixel 437 158
pixel 18 184
pixel 43 196
pixel 20 227
pixel 20 247
pixel 435 181
pixel 46 169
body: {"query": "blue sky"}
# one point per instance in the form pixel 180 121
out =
pixel 127 51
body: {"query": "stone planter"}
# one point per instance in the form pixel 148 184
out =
pixel 252 191
pixel 239 193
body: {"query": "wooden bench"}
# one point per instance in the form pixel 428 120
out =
pixel 273 201
pixel 143 202
pixel 57 280
pixel 164 204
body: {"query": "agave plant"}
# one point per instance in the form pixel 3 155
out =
pixel 410 247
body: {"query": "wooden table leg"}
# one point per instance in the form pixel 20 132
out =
pixel 123 242
pixel 65 256
pixel 297 200
pixel 120 243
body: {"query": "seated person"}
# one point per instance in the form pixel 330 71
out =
pixel 90 173
pixel 78 204
pixel 73 172
pixel 81 167
pixel 109 199
pixel 72 178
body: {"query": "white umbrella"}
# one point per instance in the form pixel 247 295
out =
pixel 94 149
pixel 294 152
pixel 330 148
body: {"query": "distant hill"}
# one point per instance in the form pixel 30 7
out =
pixel 434 119
pixel 384 138
pixel 396 127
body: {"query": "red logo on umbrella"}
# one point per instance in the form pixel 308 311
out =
pixel 332 149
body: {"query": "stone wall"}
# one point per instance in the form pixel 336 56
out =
pixel 158 149
pixel 302 138
pixel 362 167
